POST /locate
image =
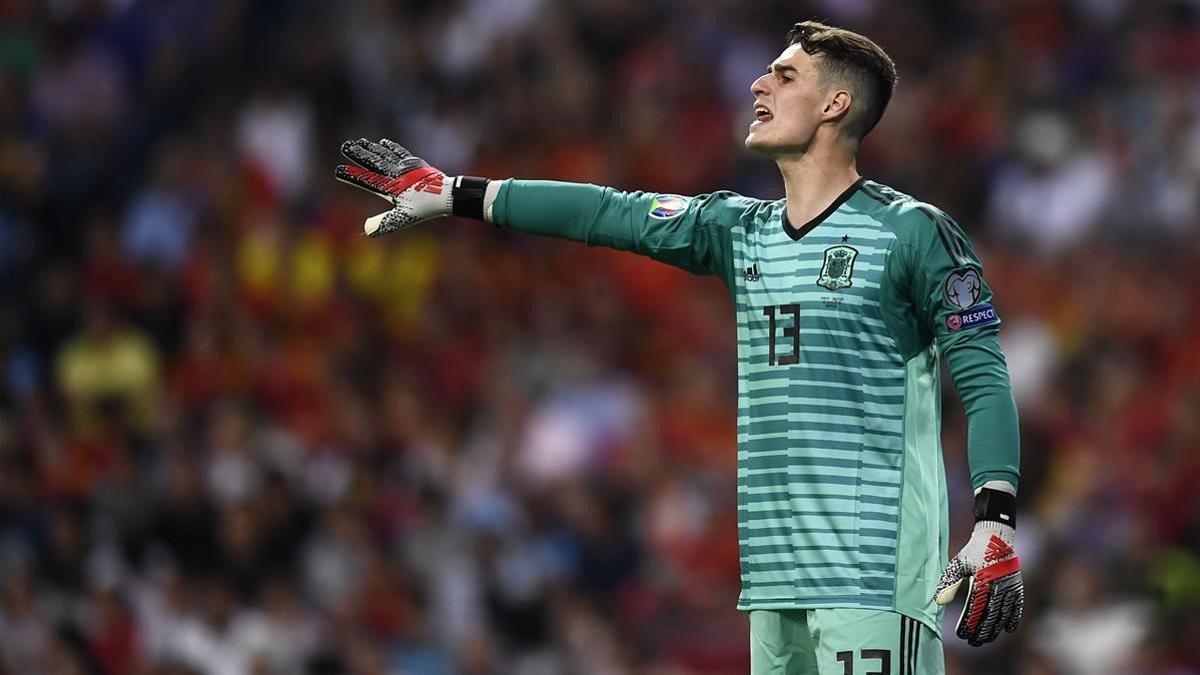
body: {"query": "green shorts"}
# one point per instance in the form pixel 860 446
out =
pixel 842 642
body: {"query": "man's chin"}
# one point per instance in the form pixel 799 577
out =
pixel 759 144
pixel 772 147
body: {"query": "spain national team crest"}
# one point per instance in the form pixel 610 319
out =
pixel 837 268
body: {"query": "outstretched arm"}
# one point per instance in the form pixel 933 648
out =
pixel 690 233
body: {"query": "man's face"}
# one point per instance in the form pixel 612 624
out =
pixel 788 102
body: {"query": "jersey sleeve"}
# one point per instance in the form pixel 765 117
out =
pixel 692 233
pixel 954 303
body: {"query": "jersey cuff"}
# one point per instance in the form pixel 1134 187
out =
pixel 489 199
pixel 981 480
pixel 1001 485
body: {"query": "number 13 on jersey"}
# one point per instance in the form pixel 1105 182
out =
pixel 779 324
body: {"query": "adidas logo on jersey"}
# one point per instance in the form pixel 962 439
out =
pixel 752 273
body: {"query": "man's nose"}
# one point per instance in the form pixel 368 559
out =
pixel 759 86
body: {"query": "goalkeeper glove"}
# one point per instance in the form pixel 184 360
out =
pixel 418 192
pixel 995 592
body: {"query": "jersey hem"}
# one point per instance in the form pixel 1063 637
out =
pixel 931 622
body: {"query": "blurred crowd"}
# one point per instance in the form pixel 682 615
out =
pixel 237 437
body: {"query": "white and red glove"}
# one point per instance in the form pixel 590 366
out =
pixel 418 192
pixel 992 570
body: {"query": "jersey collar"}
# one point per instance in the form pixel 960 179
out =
pixel 796 232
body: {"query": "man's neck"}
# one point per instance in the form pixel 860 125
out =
pixel 813 180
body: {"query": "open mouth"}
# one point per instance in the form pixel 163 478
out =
pixel 762 114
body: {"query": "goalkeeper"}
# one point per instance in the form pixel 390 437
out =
pixel 847 296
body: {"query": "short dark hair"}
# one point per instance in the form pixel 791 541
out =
pixel 852 59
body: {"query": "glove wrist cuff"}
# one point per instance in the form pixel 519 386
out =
pixel 996 506
pixel 468 197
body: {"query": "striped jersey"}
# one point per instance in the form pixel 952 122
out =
pixel 841 326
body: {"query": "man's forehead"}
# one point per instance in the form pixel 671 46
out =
pixel 793 56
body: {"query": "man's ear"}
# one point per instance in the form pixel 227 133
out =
pixel 837 105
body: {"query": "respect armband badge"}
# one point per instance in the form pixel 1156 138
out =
pixel 975 317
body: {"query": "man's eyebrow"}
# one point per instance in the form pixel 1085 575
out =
pixel 778 68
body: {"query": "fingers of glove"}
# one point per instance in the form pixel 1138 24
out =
pixel 391 160
pixel 999 598
pixel 1014 617
pixel 397 150
pixel 362 153
pixel 1008 605
pixel 952 577
pixel 993 618
pixel 394 159
pixel 987 632
pixel 986 629
pixel 371 181
pixel 1009 593
pixel 977 624
pixel 397 157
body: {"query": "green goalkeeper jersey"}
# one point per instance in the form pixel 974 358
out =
pixel 841 325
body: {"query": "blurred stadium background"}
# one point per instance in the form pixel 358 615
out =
pixel 237 437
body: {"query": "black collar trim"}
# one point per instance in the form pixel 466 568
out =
pixel 796 232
